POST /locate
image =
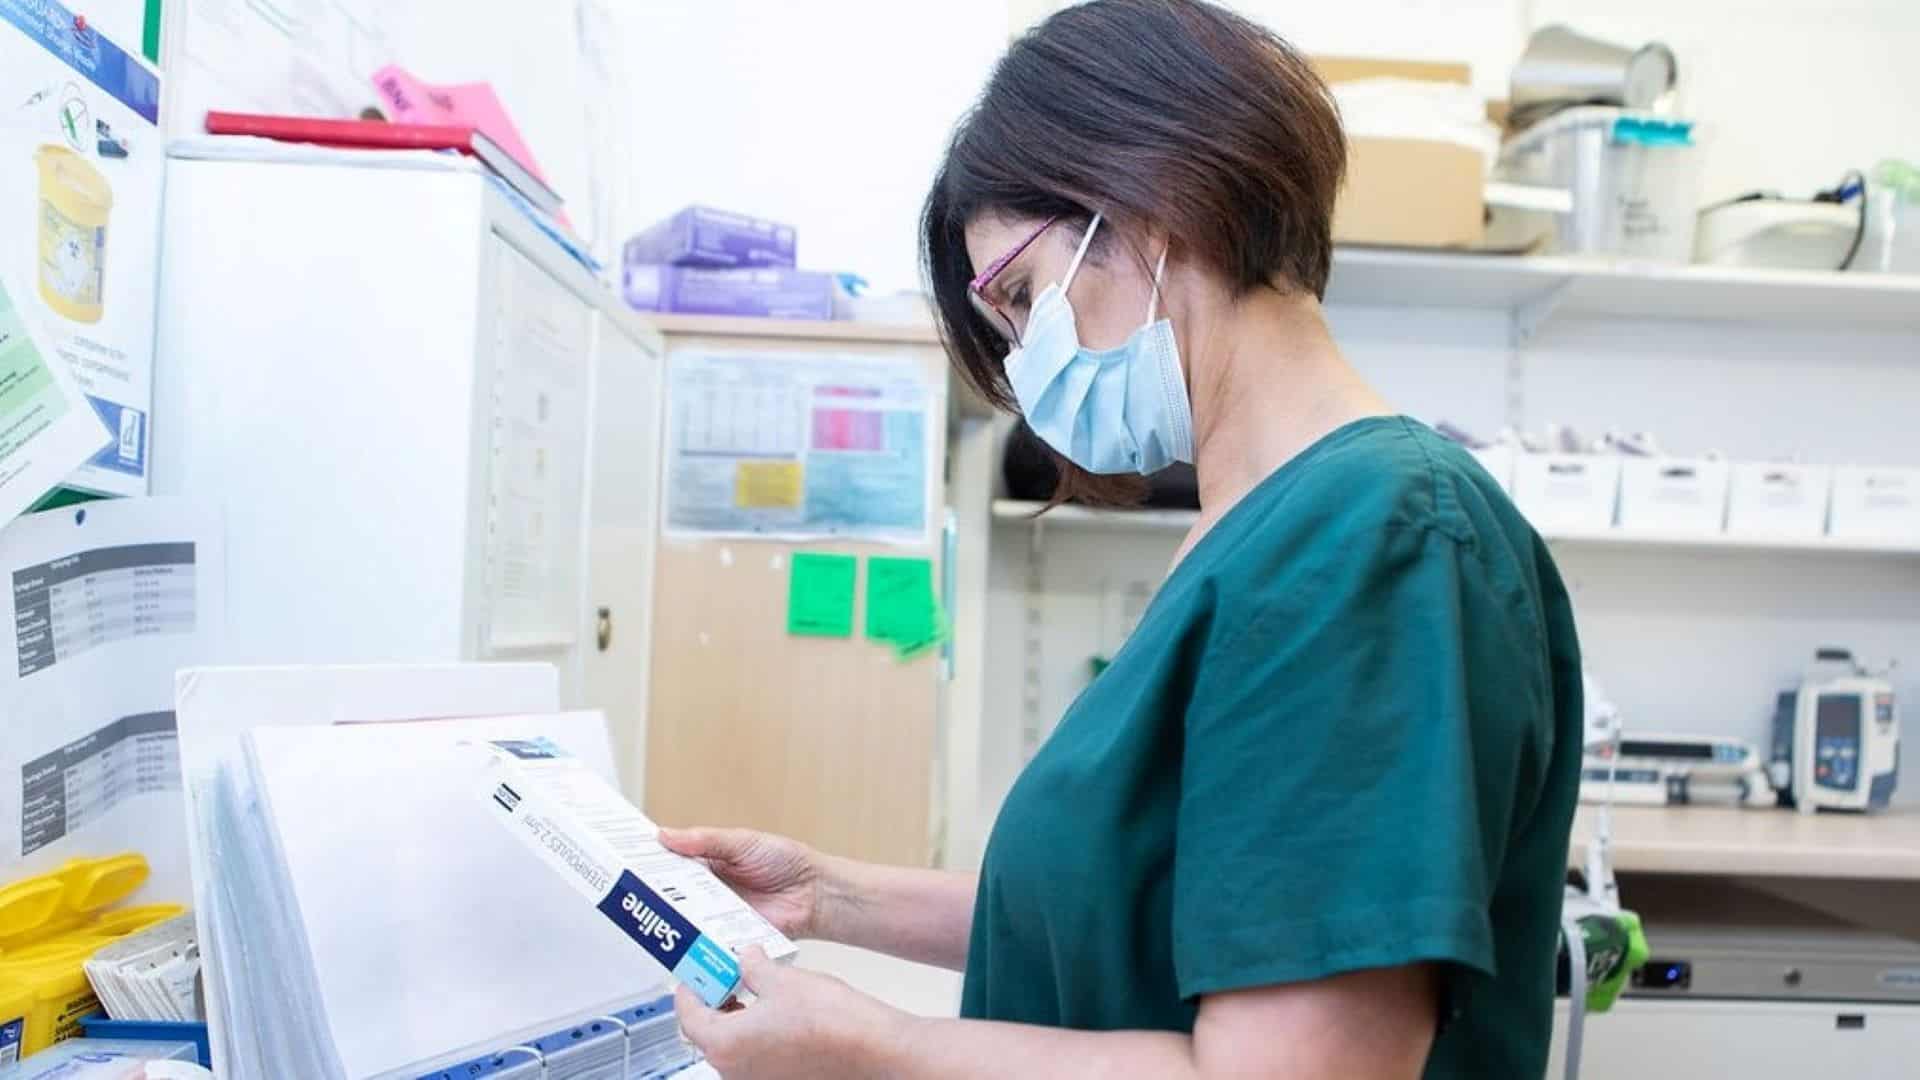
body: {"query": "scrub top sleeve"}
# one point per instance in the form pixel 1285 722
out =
pixel 1333 815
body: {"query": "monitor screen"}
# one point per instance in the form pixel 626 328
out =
pixel 1838 717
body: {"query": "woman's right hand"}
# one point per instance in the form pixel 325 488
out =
pixel 781 878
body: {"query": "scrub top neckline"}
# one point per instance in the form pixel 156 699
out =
pixel 1294 464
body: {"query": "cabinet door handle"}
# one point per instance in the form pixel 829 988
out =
pixel 603 628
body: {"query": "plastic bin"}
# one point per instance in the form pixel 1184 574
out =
pixel 15 1002
pixel 1634 179
pixel 1892 241
pixel 51 982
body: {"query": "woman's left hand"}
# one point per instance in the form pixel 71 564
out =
pixel 801 1025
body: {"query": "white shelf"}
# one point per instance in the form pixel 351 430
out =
pixel 1719 841
pixel 1823 545
pixel 1020 511
pixel 1016 511
pixel 1381 277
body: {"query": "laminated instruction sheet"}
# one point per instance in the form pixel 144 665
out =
pixel 81 169
pixel 107 601
pixel 800 446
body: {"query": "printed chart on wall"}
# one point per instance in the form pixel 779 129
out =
pixel 108 600
pixel 81 167
pixel 799 446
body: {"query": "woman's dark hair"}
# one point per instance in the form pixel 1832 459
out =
pixel 1171 114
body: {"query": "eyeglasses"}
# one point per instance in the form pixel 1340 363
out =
pixel 997 318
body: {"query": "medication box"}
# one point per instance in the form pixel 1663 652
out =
pixel 767 294
pixel 1673 496
pixel 702 236
pixel 1784 502
pixel 1876 504
pixel 673 907
pixel 1567 492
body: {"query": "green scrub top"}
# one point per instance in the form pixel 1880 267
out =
pixel 1345 735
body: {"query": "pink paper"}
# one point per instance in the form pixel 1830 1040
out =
pixel 474 105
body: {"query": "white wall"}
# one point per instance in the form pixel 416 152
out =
pixel 224 54
pixel 829 115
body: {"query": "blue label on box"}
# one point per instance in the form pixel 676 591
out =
pixel 103 63
pixel 642 915
pixel 12 1033
pixel 128 451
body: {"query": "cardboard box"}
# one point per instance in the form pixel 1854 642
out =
pixel 1407 192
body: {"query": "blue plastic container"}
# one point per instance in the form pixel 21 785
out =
pixel 195 1032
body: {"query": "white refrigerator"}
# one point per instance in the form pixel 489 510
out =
pixel 434 434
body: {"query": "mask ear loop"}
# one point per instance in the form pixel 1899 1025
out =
pixel 1159 268
pixel 1074 266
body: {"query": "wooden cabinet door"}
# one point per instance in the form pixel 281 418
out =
pixel 830 740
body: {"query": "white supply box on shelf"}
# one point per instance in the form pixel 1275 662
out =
pixel 1498 461
pixel 1875 504
pixel 1567 492
pixel 1673 496
pixel 1786 502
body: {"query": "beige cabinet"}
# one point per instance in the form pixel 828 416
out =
pixel 831 740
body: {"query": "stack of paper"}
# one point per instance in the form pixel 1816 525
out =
pixel 151 975
pixel 371 920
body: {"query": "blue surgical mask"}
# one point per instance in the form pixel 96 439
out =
pixel 1121 410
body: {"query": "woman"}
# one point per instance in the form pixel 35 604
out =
pixel 1312 822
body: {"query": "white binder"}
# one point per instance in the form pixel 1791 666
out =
pixel 360 918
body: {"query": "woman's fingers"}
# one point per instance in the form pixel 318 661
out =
pixel 757 972
pixel 713 844
pixel 696 1019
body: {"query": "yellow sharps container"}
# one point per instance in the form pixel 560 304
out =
pixel 75 201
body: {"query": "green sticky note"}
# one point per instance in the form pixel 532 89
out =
pixel 820 595
pixel 150 33
pixel 941 628
pixel 902 609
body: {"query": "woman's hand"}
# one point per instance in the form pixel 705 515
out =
pixel 781 878
pixel 801 1026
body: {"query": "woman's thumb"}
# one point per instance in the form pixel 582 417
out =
pixel 699 843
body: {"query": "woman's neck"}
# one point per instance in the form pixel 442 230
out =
pixel 1267 382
